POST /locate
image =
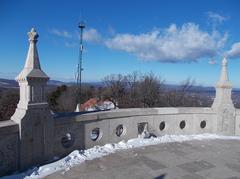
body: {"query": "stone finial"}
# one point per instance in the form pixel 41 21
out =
pixel 224 61
pixel 223 88
pixel 32 60
pixel 224 80
pixel 32 79
pixel 32 68
pixel 33 35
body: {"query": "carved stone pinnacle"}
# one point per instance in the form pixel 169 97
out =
pixel 33 35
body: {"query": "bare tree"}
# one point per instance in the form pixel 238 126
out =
pixel 133 93
pixel 115 88
pixel 181 96
pixel 67 100
pixel 149 88
pixel 8 103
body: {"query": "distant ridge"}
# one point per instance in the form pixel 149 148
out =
pixel 9 83
pixel 6 83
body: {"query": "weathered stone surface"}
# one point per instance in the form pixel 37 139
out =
pixel 32 114
pixel 154 162
pixel 223 105
pixel 196 166
pixel 9 147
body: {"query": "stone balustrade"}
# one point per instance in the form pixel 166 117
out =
pixel 34 136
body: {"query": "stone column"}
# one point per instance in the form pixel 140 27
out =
pixel 32 113
pixel 223 104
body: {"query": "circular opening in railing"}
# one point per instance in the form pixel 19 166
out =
pixel 96 134
pixel 203 124
pixel 182 124
pixel 120 130
pixel 162 125
pixel 67 140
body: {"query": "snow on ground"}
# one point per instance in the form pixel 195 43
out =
pixel 77 157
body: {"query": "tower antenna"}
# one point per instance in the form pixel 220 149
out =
pixel 81 26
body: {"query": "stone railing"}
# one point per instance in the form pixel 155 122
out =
pixel 33 136
pixel 88 130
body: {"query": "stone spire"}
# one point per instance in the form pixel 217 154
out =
pixel 33 113
pixel 224 80
pixel 32 57
pixel 32 80
pixel 223 88
pixel 32 66
pixel 223 105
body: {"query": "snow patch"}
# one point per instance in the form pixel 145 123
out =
pixel 79 156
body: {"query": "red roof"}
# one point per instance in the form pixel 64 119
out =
pixel 89 103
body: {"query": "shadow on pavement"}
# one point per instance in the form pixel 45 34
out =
pixel 160 177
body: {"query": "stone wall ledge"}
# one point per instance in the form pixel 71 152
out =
pixel 131 112
pixel 8 127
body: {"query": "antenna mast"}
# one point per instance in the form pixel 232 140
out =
pixel 81 26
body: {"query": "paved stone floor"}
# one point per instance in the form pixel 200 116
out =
pixel 188 160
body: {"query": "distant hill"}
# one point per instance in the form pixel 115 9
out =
pixel 8 83
pixel 56 82
pixel 194 88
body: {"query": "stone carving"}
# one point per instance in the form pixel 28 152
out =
pixel 223 89
pixel 33 114
pixel 33 35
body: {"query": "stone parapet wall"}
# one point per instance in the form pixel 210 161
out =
pixel 34 136
pixel 237 122
pixel 9 147
pixel 63 127
pixel 73 131
pixel 80 127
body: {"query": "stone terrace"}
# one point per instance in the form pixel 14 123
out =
pixel 215 159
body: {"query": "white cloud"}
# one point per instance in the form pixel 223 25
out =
pixel 70 44
pixel 234 52
pixel 92 35
pixel 61 33
pixel 187 43
pixel 111 30
pixel 89 35
pixel 212 62
pixel 216 18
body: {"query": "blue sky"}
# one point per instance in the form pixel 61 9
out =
pixel 173 39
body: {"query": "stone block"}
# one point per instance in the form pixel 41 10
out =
pixel 9 147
